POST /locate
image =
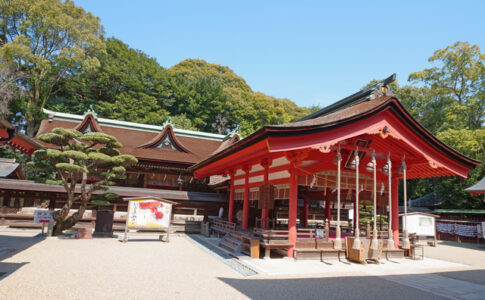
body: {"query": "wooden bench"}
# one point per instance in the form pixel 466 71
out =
pixel 274 245
pixel 223 227
pixel 311 248
pixel 272 239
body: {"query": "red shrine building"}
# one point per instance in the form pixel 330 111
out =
pixel 353 153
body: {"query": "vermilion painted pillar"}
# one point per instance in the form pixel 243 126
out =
pixel 305 212
pixel 328 209
pixel 230 212
pixel 292 211
pixel 264 211
pixel 395 211
pixel 246 200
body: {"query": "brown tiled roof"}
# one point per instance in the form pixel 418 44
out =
pixel 132 139
pixel 173 195
pixel 340 117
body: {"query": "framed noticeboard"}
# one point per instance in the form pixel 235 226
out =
pixel 148 213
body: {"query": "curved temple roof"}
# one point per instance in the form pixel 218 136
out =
pixel 377 114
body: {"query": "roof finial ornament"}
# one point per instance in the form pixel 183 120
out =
pixel 382 88
pixel 232 133
pixel 91 111
pixel 168 122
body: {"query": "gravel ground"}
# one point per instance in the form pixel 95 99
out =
pixel 471 254
pixel 107 269
pixel 145 268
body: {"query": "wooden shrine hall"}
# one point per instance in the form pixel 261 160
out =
pixel 357 149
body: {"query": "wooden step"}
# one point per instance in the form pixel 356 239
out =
pixel 229 246
pixel 232 240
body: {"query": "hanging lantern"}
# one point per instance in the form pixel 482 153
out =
pixel 385 169
pixel 369 167
pixel 352 164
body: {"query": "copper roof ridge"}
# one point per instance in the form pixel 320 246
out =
pixel 167 130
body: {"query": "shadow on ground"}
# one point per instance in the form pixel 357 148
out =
pixel 11 245
pixel 352 287
pixel 480 247
pixel 473 276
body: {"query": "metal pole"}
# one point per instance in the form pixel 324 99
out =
pixel 338 242
pixel 375 243
pixel 356 244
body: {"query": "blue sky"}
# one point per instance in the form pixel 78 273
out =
pixel 312 52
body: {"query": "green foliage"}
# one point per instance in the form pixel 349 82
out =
pixel 457 83
pixel 129 85
pixel 449 101
pixel 100 202
pixel 68 167
pixel 50 41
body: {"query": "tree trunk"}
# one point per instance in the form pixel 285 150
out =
pixel 31 128
pixel 69 222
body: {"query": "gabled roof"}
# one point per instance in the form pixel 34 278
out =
pixel 89 124
pixel 138 139
pixel 339 119
pixel 428 200
pixel 166 137
pixel 477 188
pixel 371 92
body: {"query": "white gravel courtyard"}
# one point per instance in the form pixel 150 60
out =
pixel 53 268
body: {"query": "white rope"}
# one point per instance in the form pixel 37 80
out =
pixel 390 240
pixel 375 242
pixel 406 244
pixel 338 241
pixel 356 244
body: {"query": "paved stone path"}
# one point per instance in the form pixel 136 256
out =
pixel 440 285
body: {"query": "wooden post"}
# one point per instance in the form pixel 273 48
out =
pixel 4 214
pixel 246 198
pixel 292 211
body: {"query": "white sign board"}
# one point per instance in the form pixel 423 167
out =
pixel 148 213
pixel 421 225
pixel 43 216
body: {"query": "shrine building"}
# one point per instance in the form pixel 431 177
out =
pixel 164 155
pixel 351 155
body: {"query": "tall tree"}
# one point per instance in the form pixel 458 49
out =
pixel 9 88
pixel 129 85
pixel 50 41
pixel 458 84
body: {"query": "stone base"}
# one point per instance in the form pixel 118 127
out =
pixel 103 234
